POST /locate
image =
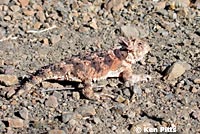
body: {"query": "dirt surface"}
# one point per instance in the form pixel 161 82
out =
pixel 34 34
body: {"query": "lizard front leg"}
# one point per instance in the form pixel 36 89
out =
pixel 132 78
pixel 88 91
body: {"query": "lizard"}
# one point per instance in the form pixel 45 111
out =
pixel 93 67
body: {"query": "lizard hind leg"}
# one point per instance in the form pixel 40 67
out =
pixel 132 78
pixel 88 91
pixel 27 86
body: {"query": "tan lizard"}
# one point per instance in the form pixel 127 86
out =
pixel 95 66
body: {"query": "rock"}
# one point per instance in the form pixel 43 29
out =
pixel 55 38
pixel 7 18
pixel 8 80
pixel 76 95
pixel 51 102
pixel 4 2
pixel 160 5
pixel 86 17
pixel 137 90
pixel 114 5
pixel 127 92
pixel 9 70
pixel 130 30
pixel 2 61
pixel 97 120
pixel 175 71
pixel 56 131
pixel 37 124
pixel 197 80
pixel 93 24
pixel 120 108
pixel 120 99
pixel 194 90
pixel 15 8
pixel 24 113
pixel 195 115
pixel 4 107
pixel 15 123
pixel 73 122
pixel 40 16
pixel 179 3
pixel 57 94
pixel 86 111
pixel 28 12
pixel 185 65
pixel 45 41
pixel 8 92
pixel 197 4
pixel 152 60
pixel 23 3
pixel 37 25
pixel 66 117
pixel 2 125
pixel 182 3
pixel 37 6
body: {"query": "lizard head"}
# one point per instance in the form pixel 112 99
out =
pixel 136 48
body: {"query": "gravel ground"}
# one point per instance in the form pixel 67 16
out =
pixel 37 33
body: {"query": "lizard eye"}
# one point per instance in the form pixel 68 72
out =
pixel 124 54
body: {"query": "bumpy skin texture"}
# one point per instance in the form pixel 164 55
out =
pixel 95 66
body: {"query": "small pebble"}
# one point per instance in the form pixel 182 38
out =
pixel 51 102
pixel 8 80
pixel 40 16
pixel 24 113
pixel 197 81
pixel 56 131
pixel 37 25
pixel 120 99
pixel 175 71
pixel 55 38
pixel 66 117
pixel 120 108
pixel 28 12
pixel 137 90
pixel 194 90
pixel 86 111
pixel 126 92
pixel 24 2
pixel 15 8
pixel 9 70
pixel 130 31
pixel 7 18
pixel 4 2
pixel 97 120
pixel 76 95
pixel 114 5
pixel 57 94
pixel 45 41
pixel 152 60
pixel 15 123
pixel 195 114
